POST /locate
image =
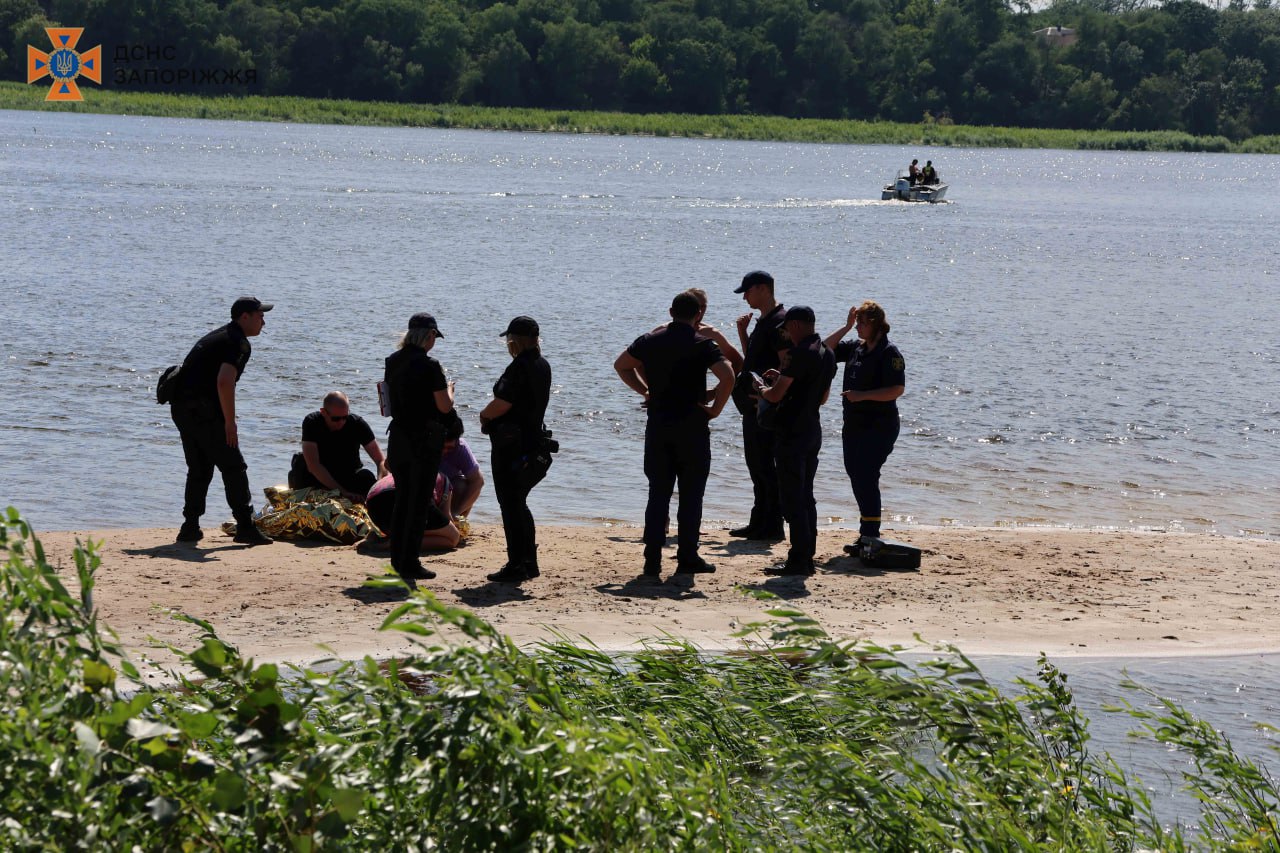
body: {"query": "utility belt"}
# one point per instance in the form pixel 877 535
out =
pixel 530 455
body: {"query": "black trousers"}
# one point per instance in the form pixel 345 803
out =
pixel 512 483
pixel 867 444
pixel 413 457
pixel 796 455
pixel 360 480
pixel 204 444
pixel 678 453
pixel 757 447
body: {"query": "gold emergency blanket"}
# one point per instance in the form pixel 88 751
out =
pixel 311 513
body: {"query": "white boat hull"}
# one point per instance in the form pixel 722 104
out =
pixel 903 190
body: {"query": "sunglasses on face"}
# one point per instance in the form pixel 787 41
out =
pixel 336 418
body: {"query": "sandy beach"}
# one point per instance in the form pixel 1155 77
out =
pixel 989 591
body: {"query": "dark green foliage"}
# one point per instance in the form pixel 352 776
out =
pixel 474 744
pixel 1181 66
pixel 936 133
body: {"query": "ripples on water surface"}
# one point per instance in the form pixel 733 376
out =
pixel 1090 337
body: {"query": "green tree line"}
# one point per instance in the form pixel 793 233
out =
pixel 1133 66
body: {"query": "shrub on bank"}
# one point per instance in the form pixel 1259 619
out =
pixel 473 744
pixel 745 127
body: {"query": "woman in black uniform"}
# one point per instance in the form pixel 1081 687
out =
pixel 421 405
pixel 874 378
pixel 513 420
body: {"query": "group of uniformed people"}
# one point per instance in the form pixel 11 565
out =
pixel 202 405
pixel 783 377
pixel 778 383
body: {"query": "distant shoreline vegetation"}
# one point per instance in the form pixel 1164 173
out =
pixel 16 96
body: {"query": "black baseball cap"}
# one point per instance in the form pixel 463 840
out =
pixel 522 325
pixel 753 278
pixel 249 304
pixel 424 320
pixel 803 313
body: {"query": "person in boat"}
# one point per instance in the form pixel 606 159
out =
pixel 928 175
pixel 874 378
pixel 913 172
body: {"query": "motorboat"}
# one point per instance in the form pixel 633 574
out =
pixel 903 190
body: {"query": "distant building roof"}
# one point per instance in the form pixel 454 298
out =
pixel 1057 36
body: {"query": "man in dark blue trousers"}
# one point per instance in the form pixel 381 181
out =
pixel 760 351
pixel 799 390
pixel 668 367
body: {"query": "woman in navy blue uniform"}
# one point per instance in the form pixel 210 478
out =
pixel 874 378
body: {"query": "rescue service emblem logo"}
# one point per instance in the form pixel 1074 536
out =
pixel 64 64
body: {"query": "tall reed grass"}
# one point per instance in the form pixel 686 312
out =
pixel 769 128
pixel 801 742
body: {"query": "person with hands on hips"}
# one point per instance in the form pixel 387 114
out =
pixel 874 378
pixel 668 368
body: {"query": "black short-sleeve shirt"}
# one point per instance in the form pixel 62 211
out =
pixel 526 385
pixel 676 360
pixel 224 345
pixel 413 378
pixel 812 367
pixel 765 340
pixel 339 448
pixel 763 345
pixel 882 367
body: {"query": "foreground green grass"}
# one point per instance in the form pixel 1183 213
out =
pixel 15 96
pixel 806 743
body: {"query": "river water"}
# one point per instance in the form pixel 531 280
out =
pixel 1090 337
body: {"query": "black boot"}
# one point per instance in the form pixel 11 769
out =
pixel 510 573
pixel 190 531
pixel 247 533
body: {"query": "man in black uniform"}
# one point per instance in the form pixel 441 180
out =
pixel 668 367
pixel 799 390
pixel 760 354
pixel 203 408
pixel 330 457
